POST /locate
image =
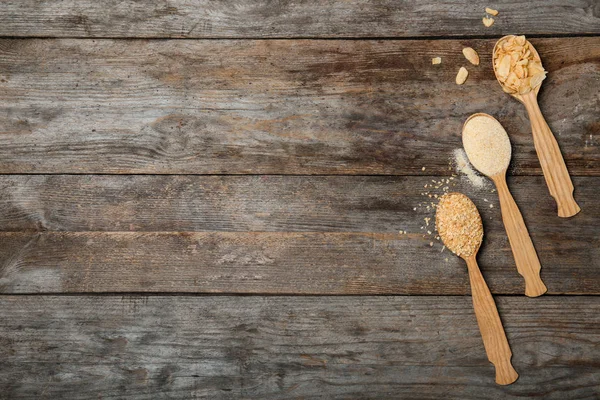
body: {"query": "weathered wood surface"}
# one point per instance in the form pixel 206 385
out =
pixel 278 263
pixel 268 19
pixel 291 348
pixel 272 234
pixel 271 203
pixel 276 106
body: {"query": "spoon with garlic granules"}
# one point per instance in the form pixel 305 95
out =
pixel 459 226
pixel 519 71
pixel 488 148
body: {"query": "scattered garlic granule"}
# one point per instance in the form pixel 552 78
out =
pixel 491 11
pixel 436 60
pixel 488 21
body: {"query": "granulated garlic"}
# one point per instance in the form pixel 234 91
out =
pixel 517 65
pixel 459 224
pixel 491 11
pixel 462 75
pixel 486 144
pixel 471 55
pixel 436 60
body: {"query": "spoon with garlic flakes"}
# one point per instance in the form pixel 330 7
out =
pixel 519 71
pixel 488 149
pixel 459 225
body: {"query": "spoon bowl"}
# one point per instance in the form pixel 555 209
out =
pixel 536 56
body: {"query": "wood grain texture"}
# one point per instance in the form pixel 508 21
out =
pixel 291 348
pixel 267 19
pixel 267 203
pixel 287 262
pixel 492 332
pixel 271 234
pixel 523 250
pixel 276 106
pixel 551 159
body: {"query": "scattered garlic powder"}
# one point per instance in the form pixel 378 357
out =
pixel 487 145
pixel 463 166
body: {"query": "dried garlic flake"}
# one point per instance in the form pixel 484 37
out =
pixel 462 75
pixel 471 55
pixel 517 65
pixel 436 60
pixel 491 11
pixel 488 21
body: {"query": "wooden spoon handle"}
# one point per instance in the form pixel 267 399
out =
pixel 490 326
pixel 525 255
pixel 551 159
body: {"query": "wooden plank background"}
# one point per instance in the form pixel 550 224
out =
pixel 287 18
pixel 176 215
pixel 291 347
pixel 275 107
pixel 271 234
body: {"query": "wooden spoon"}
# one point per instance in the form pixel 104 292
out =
pixel 488 147
pixel 551 159
pixel 459 224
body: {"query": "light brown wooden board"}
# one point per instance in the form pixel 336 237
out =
pixel 291 348
pixel 276 106
pixel 266 19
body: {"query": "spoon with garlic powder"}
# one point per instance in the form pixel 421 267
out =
pixel 459 225
pixel 488 149
pixel 519 71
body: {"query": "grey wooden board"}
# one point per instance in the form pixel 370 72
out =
pixel 267 19
pixel 291 348
pixel 276 106
pixel 273 234
pixel 271 203
pixel 278 263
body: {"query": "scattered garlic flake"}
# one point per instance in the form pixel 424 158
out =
pixel 471 55
pixel 436 60
pixel 461 76
pixel 488 21
pixel 491 11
